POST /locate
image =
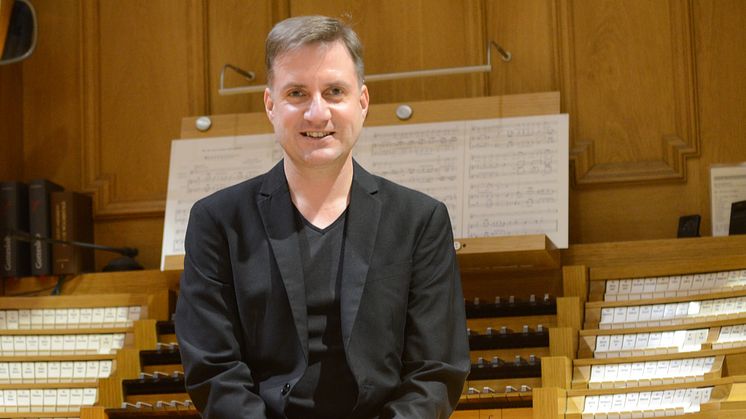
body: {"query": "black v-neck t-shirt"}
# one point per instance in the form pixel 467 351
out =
pixel 327 389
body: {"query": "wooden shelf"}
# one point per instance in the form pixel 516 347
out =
pixel 582 362
pixel 704 324
pixel 132 282
pixel 662 387
pixel 740 292
pixel 663 257
pixel 486 254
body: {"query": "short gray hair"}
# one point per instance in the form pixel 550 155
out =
pixel 296 32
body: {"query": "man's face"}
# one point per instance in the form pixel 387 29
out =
pixel 316 104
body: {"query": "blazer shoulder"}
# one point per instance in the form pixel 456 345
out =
pixel 401 199
pixel 388 189
pixel 232 196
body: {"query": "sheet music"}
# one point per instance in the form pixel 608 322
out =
pixel 518 178
pixel 727 185
pixel 425 157
pixel 498 177
pixel 199 167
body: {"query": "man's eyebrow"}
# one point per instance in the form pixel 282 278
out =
pixel 293 86
pixel 333 83
pixel 342 83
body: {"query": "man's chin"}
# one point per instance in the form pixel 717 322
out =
pixel 325 158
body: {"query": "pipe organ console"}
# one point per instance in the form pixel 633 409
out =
pixel 660 332
pixel 509 325
pixel 664 340
pixel 54 351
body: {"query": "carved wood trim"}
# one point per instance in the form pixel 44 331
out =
pixel 676 147
pixel 106 205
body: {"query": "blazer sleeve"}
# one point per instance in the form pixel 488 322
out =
pixel 207 326
pixel 435 360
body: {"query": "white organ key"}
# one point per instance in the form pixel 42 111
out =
pixel 710 283
pixel 686 283
pixel 657 314
pixel 661 286
pixel 607 318
pixel 624 372
pixel 698 282
pixel 615 343
pixel 620 316
pixel 633 314
pixel 625 286
pixel 602 346
pixel 628 343
pixel 591 405
pixel 673 286
pixel 612 287
pixel 642 341
pixel 646 313
pixel 638 286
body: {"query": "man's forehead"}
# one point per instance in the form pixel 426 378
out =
pixel 319 49
pixel 294 67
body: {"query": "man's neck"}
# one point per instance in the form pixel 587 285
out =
pixel 321 194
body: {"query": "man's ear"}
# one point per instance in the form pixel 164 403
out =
pixel 269 105
pixel 364 100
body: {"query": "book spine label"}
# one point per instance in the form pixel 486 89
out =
pixel 61 253
pixel 73 221
pixel 14 216
pixel 40 224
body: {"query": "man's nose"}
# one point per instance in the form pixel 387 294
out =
pixel 318 110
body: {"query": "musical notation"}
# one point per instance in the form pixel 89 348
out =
pixel 527 159
pixel 497 177
pixel 203 166
pixel 727 185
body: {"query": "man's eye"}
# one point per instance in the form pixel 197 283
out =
pixel 295 93
pixel 336 91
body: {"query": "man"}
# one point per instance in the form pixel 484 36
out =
pixel 318 290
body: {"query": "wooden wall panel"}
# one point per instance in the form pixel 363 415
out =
pixel 236 33
pixel 144 233
pixel 52 96
pixel 528 30
pixel 628 83
pixel 110 82
pixel 11 122
pixel 144 72
pixel 721 35
pixel 650 210
pixel 634 212
pixel 413 35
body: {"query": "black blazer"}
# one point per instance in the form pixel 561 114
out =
pixel 241 313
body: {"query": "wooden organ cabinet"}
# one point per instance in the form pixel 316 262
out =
pixel 639 329
pixel 513 288
pixel 664 335
pixel 56 351
pixel 508 338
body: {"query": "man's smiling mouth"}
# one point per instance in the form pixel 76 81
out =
pixel 316 134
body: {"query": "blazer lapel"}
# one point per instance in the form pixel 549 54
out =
pixel 276 209
pixel 363 215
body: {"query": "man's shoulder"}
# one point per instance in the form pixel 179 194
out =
pixel 396 194
pixel 234 195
